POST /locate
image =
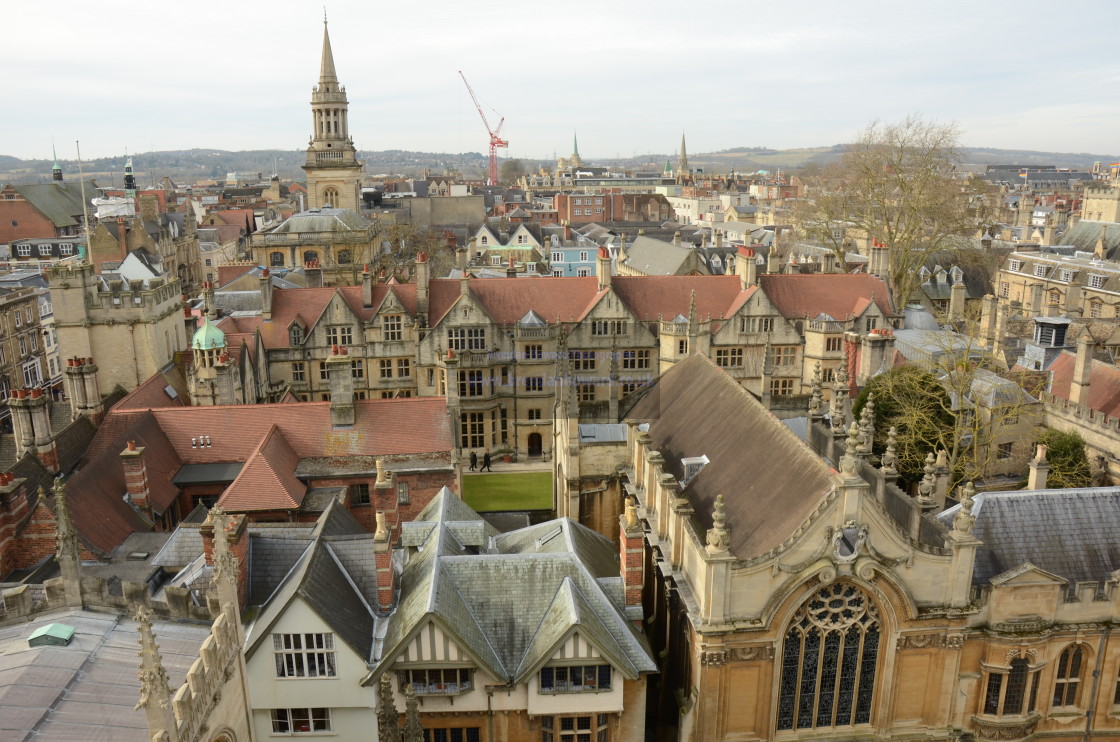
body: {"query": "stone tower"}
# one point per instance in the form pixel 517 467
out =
pixel 682 160
pixel 334 173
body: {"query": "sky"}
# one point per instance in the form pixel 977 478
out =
pixel 628 77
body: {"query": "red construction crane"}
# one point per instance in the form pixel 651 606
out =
pixel 495 134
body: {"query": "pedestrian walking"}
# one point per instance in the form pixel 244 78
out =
pixel 486 461
pixel 474 460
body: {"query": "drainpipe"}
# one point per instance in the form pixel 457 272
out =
pixel 1096 683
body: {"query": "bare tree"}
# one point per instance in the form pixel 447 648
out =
pixel 957 401
pixel 898 185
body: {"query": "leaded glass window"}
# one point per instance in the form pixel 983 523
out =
pixel 829 659
pixel 1068 678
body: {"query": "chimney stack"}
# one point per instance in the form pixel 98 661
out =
pixel 1082 371
pixel 367 288
pixel 632 557
pixel 603 268
pixel 956 301
pixel 342 387
pixel 383 564
pixel 266 294
pixel 423 276
pixel 136 478
pixel 746 267
pixel 1040 469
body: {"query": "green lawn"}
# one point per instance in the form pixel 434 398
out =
pixel 513 491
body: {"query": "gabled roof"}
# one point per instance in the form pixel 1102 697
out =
pixel 839 295
pixel 268 480
pixel 696 409
pixel 657 258
pixel 510 603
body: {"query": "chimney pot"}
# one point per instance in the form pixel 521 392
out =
pixel 132 445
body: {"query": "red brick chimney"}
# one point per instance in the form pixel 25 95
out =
pixel 136 478
pixel 631 540
pixel 383 561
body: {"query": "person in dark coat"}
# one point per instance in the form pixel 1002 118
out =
pixel 474 460
pixel 486 461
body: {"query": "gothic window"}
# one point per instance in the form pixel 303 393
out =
pixel 1067 681
pixel 829 660
pixel 330 197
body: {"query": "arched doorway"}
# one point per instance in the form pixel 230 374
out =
pixel 535 445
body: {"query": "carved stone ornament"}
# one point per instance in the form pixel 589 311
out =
pixel 890 457
pixel 815 402
pixel 926 641
pixel 67 538
pixel 154 684
pixel 1009 729
pixel 720 657
pixel 632 513
pixel 965 520
pixel 719 538
pixel 848 542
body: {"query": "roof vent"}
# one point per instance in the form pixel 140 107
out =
pixel 53 634
pixel 691 466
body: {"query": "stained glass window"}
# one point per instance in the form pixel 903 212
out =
pixel 829 660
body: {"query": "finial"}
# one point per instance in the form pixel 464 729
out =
pixel 66 546
pixel 867 426
pixel 851 460
pixel 890 457
pixel 154 685
pixel 926 486
pixel 719 538
pixel 324 15
pixel 631 513
pixel 413 729
pixel 965 520
pixel 815 402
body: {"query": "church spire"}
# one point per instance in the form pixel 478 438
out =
pixel 327 76
pixel 682 161
pixel 575 144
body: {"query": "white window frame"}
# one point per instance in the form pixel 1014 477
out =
pixel 304 656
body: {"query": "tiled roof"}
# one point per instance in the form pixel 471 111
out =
pixel 1104 383
pixel 153 392
pixel 654 297
pixel 837 295
pixel 61 203
pixel 383 427
pixel 1070 533
pixel 268 480
pixel 695 409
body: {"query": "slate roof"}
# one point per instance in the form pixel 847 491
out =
pixel 840 296
pixel 61 203
pixel 321 220
pixel 1104 383
pixel 1068 532
pixel 1085 234
pixel 508 600
pixel 696 409
pixel 657 258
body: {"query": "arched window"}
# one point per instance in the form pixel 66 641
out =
pixel 310 256
pixel 330 197
pixel 1067 680
pixel 276 258
pixel 829 659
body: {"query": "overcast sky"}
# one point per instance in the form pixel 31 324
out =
pixel 629 77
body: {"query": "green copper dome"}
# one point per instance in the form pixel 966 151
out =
pixel 208 337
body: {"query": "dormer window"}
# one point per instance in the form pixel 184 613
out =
pixel 1065 276
pixel 576 679
pixel 691 466
pixel 436 682
pixel 1040 271
pixel 1096 282
pixel 295 334
pixel 1014 265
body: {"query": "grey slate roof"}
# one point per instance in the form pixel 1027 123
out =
pixel 512 598
pixel 657 258
pixel 59 202
pixel 322 220
pixel 1071 533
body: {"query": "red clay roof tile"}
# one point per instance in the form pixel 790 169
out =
pixel 840 296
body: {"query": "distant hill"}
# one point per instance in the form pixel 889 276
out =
pixel 193 165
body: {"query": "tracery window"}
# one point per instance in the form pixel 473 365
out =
pixel 829 660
